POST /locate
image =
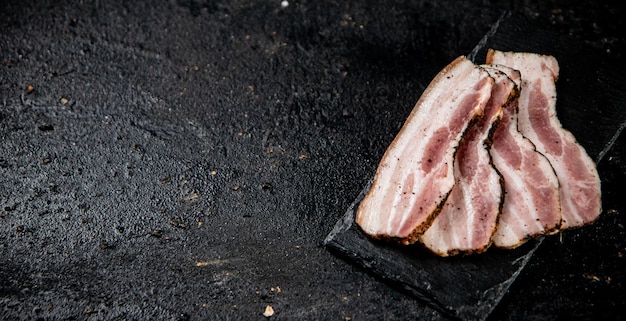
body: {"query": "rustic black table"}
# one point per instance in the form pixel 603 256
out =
pixel 187 160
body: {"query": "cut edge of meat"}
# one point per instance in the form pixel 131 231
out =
pixel 483 88
pixel 552 225
pixel 577 172
pixel 428 240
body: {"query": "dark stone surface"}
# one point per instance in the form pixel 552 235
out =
pixel 184 160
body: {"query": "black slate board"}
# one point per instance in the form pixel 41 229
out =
pixel 466 287
pixel 469 287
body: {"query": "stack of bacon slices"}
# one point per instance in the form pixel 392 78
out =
pixel 483 160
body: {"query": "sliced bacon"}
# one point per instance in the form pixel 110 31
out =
pixel 531 204
pixel 469 216
pixel 579 182
pixel 415 174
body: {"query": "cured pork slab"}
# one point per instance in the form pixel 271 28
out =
pixel 469 216
pixel 531 204
pixel 579 182
pixel 416 173
pixel 481 160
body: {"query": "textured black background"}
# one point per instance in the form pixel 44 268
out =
pixel 184 160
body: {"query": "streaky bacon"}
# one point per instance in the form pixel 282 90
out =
pixel 415 174
pixel 469 216
pixel 579 182
pixel 531 204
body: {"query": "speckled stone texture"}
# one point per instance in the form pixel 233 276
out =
pixel 185 160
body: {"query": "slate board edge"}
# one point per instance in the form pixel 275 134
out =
pixel 482 311
pixel 344 225
pixel 478 311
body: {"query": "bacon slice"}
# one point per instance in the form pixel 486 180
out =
pixel 415 174
pixel 579 181
pixel 469 216
pixel 531 205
